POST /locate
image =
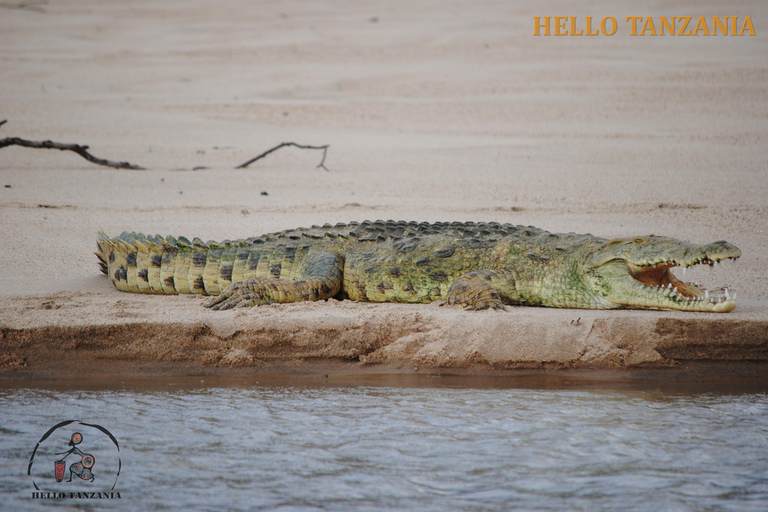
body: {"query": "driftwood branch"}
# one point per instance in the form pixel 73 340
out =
pixel 77 148
pixel 83 151
pixel 283 144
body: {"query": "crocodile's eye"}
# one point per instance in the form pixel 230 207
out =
pixel 639 240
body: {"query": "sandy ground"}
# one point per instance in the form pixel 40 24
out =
pixel 434 111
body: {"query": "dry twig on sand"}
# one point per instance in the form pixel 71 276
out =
pixel 283 144
pixel 83 152
pixel 77 148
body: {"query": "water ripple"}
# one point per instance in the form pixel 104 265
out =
pixel 298 448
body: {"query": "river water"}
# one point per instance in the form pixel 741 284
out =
pixel 223 444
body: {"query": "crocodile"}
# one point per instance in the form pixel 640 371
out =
pixel 475 265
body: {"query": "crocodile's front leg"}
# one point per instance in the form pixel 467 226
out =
pixel 321 278
pixel 483 289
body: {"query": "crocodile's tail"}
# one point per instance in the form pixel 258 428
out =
pixel 153 264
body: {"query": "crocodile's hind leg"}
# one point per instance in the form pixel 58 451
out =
pixel 483 289
pixel 321 278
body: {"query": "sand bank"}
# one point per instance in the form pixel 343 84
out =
pixel 432 113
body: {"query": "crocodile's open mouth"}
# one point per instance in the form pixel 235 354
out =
pixel 661 286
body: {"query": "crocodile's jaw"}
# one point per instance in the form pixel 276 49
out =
pixel 644 279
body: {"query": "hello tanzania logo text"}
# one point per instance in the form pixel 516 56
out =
pixel 645 26
pixel 91 453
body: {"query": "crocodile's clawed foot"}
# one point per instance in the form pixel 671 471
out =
pixel 485 305
pixel 473 292
pixel 237 295
pixel 487 300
